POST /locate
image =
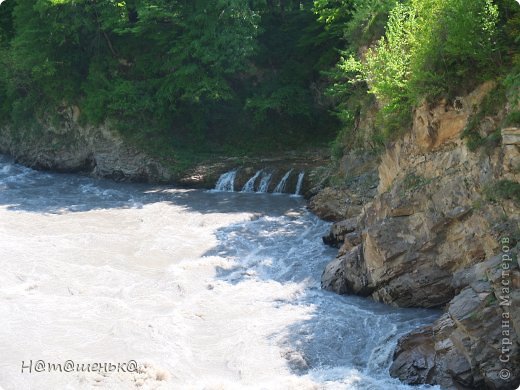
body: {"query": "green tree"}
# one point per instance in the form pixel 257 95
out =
pixel 430 48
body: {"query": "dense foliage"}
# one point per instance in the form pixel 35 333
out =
pixel 430 49
pixel 234 75
pixel 202 74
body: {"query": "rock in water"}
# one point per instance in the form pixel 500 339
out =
pixel 338 231
pixel 475 344
pixel 414 358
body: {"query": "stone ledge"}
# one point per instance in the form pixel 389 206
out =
pixel 511 136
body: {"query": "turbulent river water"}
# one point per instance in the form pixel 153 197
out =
pixel 203 290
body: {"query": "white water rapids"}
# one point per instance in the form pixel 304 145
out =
pixel 203 290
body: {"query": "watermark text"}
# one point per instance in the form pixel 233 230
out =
pixel 39 366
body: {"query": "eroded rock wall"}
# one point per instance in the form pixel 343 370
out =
pixel 70 147
pixel 430 223
pixel 474 344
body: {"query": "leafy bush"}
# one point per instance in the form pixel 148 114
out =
pixel 453 45
pixel 431 48
pixel 513 119
pixel 503 189
pixel 512 82
pixel 357 22
pixel 492 103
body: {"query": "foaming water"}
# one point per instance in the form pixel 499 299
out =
pixel 204 290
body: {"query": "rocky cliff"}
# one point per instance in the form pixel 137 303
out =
pixel 70 147
pixel 99 151
pixel 442 232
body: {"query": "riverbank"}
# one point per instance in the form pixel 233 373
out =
pixel 198 289
pixel 103 153
pixel 441 230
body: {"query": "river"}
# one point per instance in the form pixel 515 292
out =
pixel 203 290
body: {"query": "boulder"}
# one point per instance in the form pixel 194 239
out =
pixel 346 275
pixel 414 357
pixel 338 231
pixel 475 344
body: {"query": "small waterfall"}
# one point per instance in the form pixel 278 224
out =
pixel 226 182
pixel 250 185
pixel 299 183
pixel 264 182
pixel 281 186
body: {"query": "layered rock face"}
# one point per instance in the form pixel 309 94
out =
pixel 69 147
pixel 430 238
pixel 359 173
pixel 474 344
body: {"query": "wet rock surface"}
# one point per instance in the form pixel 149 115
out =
pixel 339 231
pixel 475 344
pixel 414 357
pixel 332 205
pixel 206 174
